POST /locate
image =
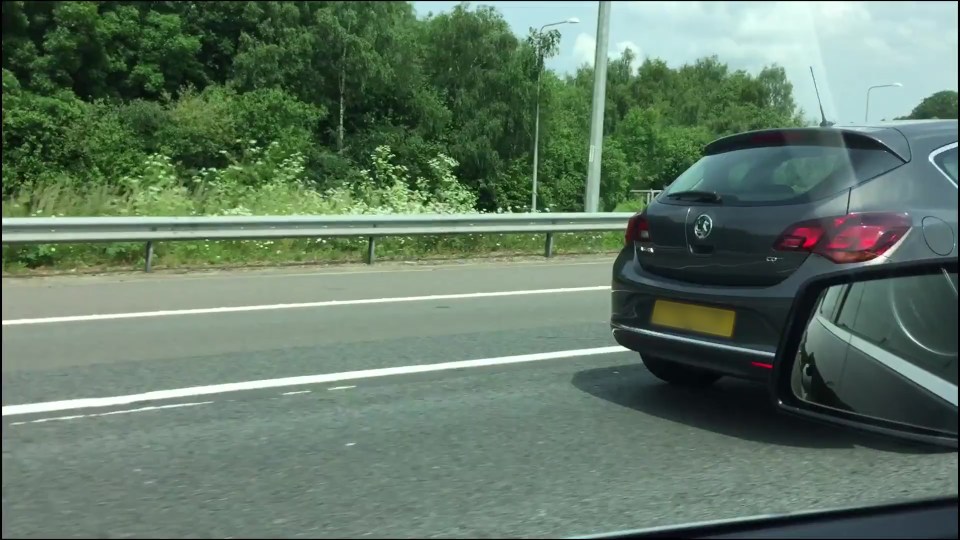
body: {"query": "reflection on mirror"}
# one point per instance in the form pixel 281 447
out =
pixel 886 349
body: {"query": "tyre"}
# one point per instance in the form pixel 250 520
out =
pixel 678 374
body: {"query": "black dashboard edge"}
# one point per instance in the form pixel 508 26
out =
pixel 926 518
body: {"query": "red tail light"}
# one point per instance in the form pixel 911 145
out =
pixel 846 239
pixel 638 230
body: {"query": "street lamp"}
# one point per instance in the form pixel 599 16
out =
pixel 536 124
pixel 866 113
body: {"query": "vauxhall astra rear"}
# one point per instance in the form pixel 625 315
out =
pixel 709 270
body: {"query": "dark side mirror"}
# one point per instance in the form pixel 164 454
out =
pixel 875 348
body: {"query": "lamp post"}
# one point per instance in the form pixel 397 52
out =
pixel 591 197
pixel 536 122
pixel 866 113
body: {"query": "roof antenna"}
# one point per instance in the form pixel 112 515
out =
pixel 823 117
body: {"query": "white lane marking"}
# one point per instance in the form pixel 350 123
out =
pixel 296 393
pixel 259 273
pixel 41 420
pixel 342 387
pixel 89 403
pixel 111 413
pixel 326 303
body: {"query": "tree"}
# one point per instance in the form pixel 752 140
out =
pixel 487 81
pixel 942 104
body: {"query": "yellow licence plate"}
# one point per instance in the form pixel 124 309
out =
pixel 702 319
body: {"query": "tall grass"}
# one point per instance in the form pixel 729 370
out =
pixel 265 181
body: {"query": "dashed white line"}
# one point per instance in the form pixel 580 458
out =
pixel 179 393
pixel 296 393
pixel 302 305
pixel 111 413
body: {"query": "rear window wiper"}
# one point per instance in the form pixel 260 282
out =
pixel 696 196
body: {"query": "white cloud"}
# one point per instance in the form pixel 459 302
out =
pixel 634 48
pixel 850 45
pixel 840 17
pixel 585 49
pixel 756 32
pixel 670 10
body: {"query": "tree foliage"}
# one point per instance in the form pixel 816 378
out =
pixel 94 90
pixel 941 105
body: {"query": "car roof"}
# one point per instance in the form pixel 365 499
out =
pixel 911 127
pixel 923 136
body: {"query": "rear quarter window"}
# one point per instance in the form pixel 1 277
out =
pixel 783 174
pixel 828 304
pixel 946 161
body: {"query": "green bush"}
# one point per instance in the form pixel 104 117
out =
pixel 34 130
pixel 259 181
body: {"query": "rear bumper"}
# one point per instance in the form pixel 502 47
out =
pixel 761 313
pixel 724 358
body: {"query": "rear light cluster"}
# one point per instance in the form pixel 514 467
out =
pixel 638 229
pixel 846 239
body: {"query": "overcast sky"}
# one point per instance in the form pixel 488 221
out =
pixel 851 45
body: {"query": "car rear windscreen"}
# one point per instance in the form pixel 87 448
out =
pixel 783 174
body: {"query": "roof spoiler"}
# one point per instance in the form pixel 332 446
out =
pixel 886 139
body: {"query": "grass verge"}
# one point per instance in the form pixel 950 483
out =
pixel 42 259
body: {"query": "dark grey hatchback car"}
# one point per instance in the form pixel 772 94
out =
pixel 709 270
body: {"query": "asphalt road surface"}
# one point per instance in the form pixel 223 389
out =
pixel 398 402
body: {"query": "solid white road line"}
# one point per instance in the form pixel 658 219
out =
pixel 262 272
pixel 111 413
pixel 327 303
pixel 86 403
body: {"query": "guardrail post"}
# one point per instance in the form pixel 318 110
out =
pixel 148 256
pixel 371 249
pixel 548 246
